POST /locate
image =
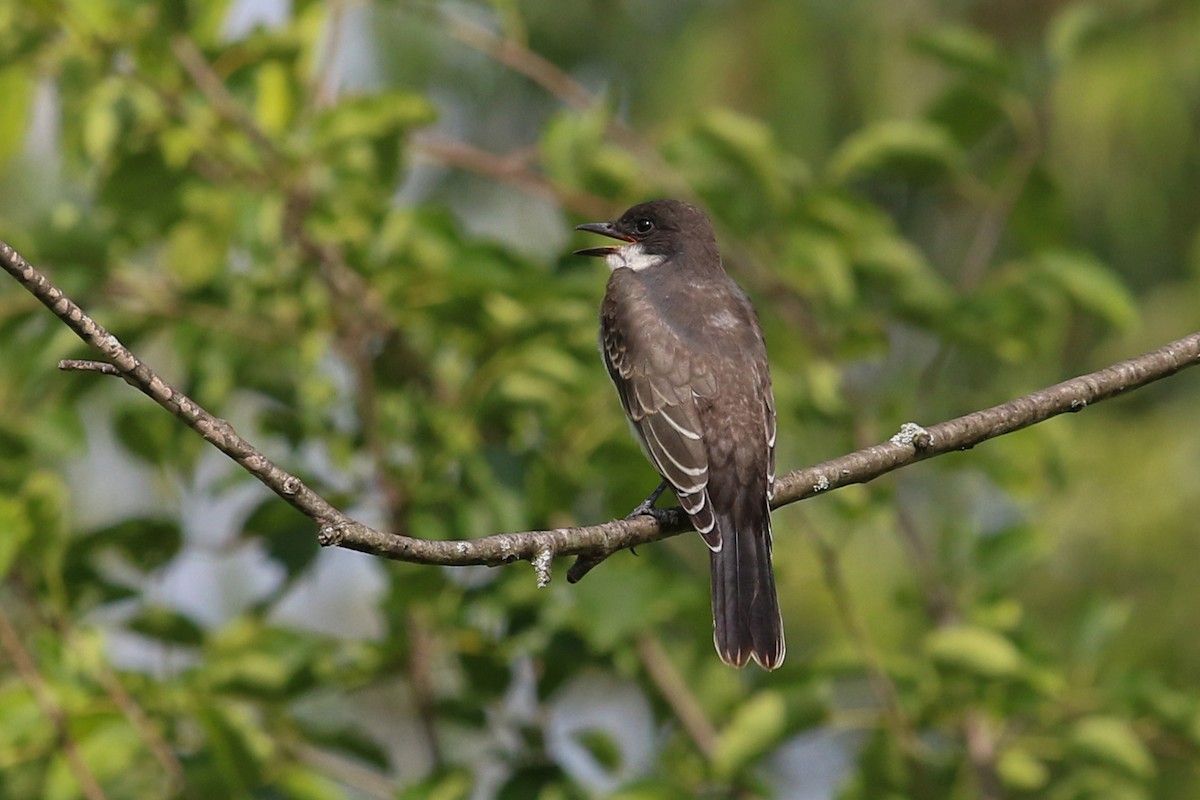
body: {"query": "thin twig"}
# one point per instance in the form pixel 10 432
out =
pixel 513 171
pixel 519 58
pixel 982 755
pixel 420 656
pixel 145 727
pixel 999 207
pixel 881 683
pixel 327 81
pixel 940 603
pixel 911 445
pixel 675 691
pixel 213 88
pixel 943 608
pixel 350 773
pixel 10 642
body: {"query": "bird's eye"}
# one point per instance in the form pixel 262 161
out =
pixel 643 226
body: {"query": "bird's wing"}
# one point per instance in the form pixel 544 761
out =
pixel 769 399
pixel 659 387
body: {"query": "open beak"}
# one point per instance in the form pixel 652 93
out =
pixel 604 229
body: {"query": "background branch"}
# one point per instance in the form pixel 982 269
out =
pixel 674 689
pixel 912 444
pixel 10 644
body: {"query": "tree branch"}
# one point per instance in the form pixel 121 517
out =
pixel 679 697
pixel 506 169
pixel 912 444
pixel 518 57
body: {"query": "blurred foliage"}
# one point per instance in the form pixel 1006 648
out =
pixel 345 228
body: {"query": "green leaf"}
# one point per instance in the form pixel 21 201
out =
pixel 60 782
pixel 195 254
pixel 1090 284
pixel 757 726
pixel 112 748
pixel 167 625
pixel 653 789
pixel 208 20
pixel 532 781
pixel 752 144
pixel 25 724
pixel 1041 218
pixel 1073 30
pixel 445 784
pixel 143 189
pixel 45 493
pixel 348 741
pixel 148 542
pixel 250 658
pixel 274 101
pixel 1110 741
pixel 250 673
pixel 307 783
pixel 1021 771
pixel 915 150
pixel 569 139
pixel 908 281
pixel 963 49
pixel 145 432
pixel 360 141
pixel 818 266
pixel 285 534
pixel 15 531
pixel 101 123
pixel 608 618
pixel 969 113
pixel 16 88
pixel 976 651
pixel 235 759
pixel 374 116
pixel 602 747
pixel 575 152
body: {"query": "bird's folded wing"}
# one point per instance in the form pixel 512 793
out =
pixel 659 388
pixel 769 398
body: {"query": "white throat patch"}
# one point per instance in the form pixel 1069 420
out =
pixel 632 256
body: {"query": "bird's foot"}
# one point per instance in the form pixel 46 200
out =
pixel 646 507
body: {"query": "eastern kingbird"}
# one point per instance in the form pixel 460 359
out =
pixel 685 350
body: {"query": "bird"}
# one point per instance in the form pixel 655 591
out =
pixel 685 350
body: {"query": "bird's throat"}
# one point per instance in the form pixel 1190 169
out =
pixel 632 256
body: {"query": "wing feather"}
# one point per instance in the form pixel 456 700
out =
pixel 658 389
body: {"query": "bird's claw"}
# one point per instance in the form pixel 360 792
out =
pixel 661 515
pixel 646 507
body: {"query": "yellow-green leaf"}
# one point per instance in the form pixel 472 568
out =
pixel 1019 770
pixel 911 149
pixel 16 528
pixel 194 254
pixel 274 102
pixel 1091 285
pixel 1110 741
pixel 974 650
pixel 15 90
pixel 963 48
pixel 758 725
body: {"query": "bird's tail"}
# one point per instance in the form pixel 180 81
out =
pixel 746 619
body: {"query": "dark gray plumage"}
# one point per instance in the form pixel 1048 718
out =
pixel 685 350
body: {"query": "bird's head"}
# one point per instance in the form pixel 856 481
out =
pixel 653 232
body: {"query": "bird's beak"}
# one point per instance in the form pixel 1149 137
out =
pixel 604 229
